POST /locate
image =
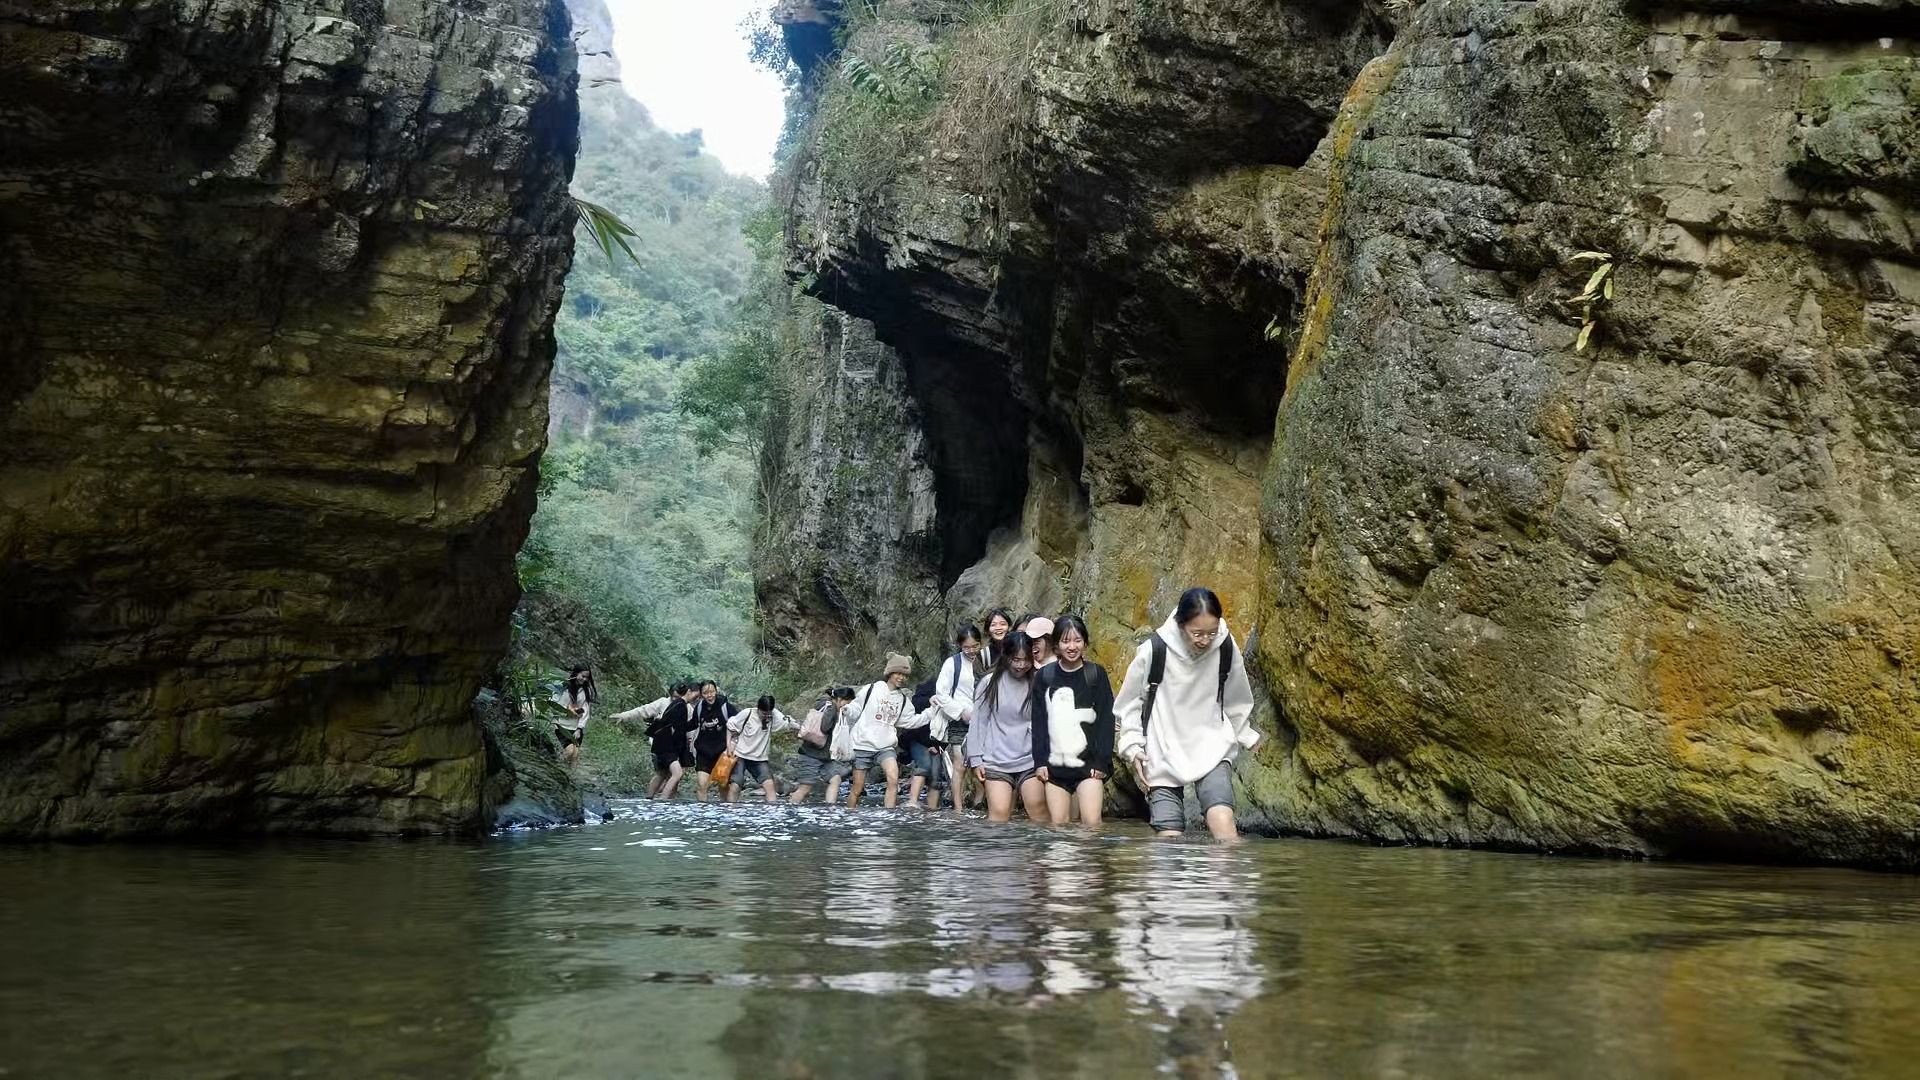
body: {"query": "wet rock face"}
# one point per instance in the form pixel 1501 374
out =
pixel 276 340
pixel 1660 595
pixel 1093 340
pixel 849 568
pixel 1654 596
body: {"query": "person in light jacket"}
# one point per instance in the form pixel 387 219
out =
pixel 750 737
pixel 576 698
pixel 953 696
pixel 1199 722
pixel 876 732
pixel 1000 744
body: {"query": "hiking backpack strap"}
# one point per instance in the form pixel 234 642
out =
pixel 1226 668
pixel 1156 671
pixel 958 659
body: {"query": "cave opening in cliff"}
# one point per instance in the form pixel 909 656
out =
pixel 1222 355
pixel 976 428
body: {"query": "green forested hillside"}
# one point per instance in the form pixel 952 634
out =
pixel 638 558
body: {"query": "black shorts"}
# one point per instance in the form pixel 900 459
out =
pixel 704 761
pixel 664 758
pixel 567 736
pixel 1061 776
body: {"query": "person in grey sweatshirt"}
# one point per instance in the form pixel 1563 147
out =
pixel 1000 738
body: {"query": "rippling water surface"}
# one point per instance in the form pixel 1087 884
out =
pixel 748 941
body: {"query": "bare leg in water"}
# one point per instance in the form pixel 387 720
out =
pixel 1221 824
pixel 1033 794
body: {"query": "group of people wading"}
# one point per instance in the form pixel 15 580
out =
pixel 1017 712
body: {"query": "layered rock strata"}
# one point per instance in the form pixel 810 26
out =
pixel 277 334
pixel 1283 298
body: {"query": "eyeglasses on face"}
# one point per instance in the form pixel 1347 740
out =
pixel 1203 635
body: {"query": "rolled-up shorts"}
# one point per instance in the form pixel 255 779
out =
pixel 921 757
pixel 1061 776
pixel 1169 814
pixel 930 761
pixel 814 772
pixel 750 772
pixel 872 759
pixel 1016 779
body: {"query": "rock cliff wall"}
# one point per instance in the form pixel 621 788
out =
pixel 277 334
pixel 1282 298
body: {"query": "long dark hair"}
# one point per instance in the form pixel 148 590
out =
pixel 587 689
pixel 1017 643
pixel 1195 602
pixel 966 632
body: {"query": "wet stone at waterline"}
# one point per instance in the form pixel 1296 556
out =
pixel 746 941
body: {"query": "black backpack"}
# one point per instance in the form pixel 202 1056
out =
pixel 1157 670
pixel 923 695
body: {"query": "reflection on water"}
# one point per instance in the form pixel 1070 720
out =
pixel 715 941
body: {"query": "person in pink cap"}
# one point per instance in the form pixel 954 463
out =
pixel 1040 629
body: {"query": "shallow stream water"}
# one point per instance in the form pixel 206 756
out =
pixel 746 941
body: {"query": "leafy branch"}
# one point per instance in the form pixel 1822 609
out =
pixel 1599 290
pixel 605 228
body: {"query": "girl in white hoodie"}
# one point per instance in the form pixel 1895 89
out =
pixel 1197 720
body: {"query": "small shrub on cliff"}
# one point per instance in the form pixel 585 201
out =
pixel 1599 291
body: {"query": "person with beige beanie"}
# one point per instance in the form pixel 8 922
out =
pixel 876 735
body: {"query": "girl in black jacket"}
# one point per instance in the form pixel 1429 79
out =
pixel 710 715
pixel 669 737
pixel 1073 727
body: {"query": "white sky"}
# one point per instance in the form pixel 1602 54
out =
pixel 687 63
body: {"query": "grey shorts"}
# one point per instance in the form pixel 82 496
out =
pixel 1016 779
pixel 750 772
pixel 1169 814
pixel 814 772
pixel 872 759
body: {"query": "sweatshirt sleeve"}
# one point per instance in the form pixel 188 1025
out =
pixel 970 751
pixel 1042 742
pixel 1238 701
pixel 1100 746
pixel 957 704
pixel 652 710
pixel 783 722
pixel 1126 704
pixel 737 722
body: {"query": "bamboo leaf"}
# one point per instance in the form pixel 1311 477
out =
pixel 1589 256
pixel 605 229
pixel 1580 343
pixel 1600 275
pixel 1608 289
